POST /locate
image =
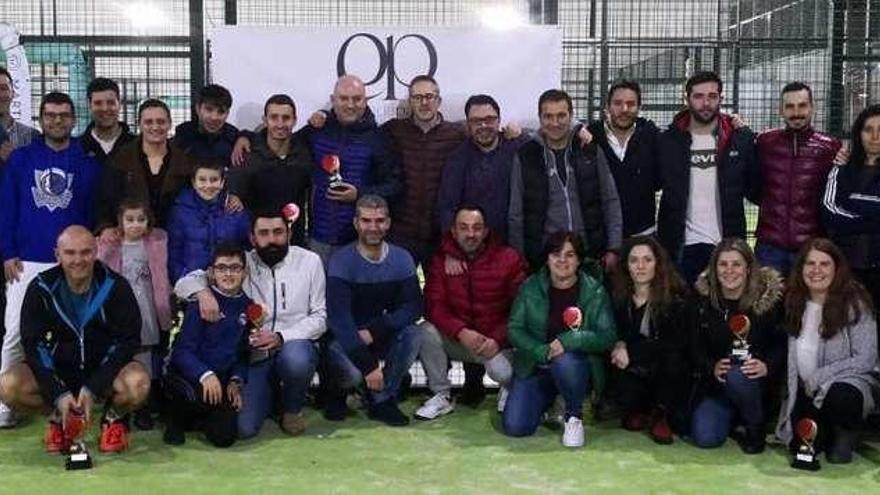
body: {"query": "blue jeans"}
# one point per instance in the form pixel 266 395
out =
pixel 692 260
pixel 714 416
pixel 567 374
pixel 772 256
pixel 294 366
pixel 400 355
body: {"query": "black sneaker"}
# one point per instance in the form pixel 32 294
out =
pixel 174 435
pixel 335 408
pixel 143 419
pixel 842 445
pixel 388 413
pixel 752 441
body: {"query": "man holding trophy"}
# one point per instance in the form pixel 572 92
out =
pixel 79 334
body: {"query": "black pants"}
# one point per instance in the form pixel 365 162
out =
pixel 665 385
pixel 186 410
pixel 842 408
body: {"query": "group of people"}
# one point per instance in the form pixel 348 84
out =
pixel 547 263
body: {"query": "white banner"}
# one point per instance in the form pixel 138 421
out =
pixel 513 66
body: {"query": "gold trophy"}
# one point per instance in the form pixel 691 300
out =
pixel 805 457
pixel 77 455
pixel 739 325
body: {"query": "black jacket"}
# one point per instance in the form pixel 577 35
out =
pixel 637 177
pixel 65 355
pixel 737 171
pixel 203 146
pixel 93 148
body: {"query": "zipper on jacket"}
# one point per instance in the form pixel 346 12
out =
pixel 274 299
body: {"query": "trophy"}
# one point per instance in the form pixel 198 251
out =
pixel 805 457
pixel 739 325
pixel 572 318
pixel 77 455
pixel 331 165
pixel 290 212
pixel 255 315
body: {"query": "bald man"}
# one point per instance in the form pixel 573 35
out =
pixel 367 165
pixel 80 327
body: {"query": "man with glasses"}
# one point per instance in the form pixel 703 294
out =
pixel 48 186
pixel 288 282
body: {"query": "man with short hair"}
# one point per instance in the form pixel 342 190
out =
pixel 628 144
pixel 209 137
pixel 48 186
pixel 373 303
pixel 288 281
pixel 707 167
pixel 354 159
pixel 794 162
pixel 467 313
pixel 17 133
pixel 424 142
pixel 478 171
pixel 278 169
pixel 105 134
pixel 555 185
pixel 79 333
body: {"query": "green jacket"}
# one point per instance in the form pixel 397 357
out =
pixel 527 329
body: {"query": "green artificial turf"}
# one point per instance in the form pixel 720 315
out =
pixel 462 453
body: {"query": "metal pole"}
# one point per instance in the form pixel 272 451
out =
pixel 196 50
pixel 231 12
pixel 836 88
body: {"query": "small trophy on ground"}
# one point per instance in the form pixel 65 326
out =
pixel 805 457
pixel 256 316
pixel 332 165
pixel 573 318
pixel 77 456
pixel 739 325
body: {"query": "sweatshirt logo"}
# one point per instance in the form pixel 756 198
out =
pixel 53 188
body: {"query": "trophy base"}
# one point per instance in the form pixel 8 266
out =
pixel 805 462
pixel 78 458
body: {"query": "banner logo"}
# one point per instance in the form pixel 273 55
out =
pixel 388 72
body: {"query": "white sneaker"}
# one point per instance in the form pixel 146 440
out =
pixel 573 436
pixel 435 407
pixel 502 398
pixel 8 418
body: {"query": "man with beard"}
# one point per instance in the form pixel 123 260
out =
pixel 707 168
pixel 288 282
pixel 48 186
pixel 628 144
pixel 794 163
pixel 278 169
pixel 373 303
pixel 468 313
pixel 556 185
pixel 106 133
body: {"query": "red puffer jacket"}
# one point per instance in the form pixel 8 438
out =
pixel 480 298
pixel 794 167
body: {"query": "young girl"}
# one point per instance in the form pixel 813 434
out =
pixel 140 254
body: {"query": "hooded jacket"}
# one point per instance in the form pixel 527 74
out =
pixel 737 172
pixel 63 352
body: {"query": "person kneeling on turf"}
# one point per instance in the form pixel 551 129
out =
pixel 209 361
pixel 80 328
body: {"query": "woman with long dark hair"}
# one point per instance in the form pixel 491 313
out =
pixel 649 366
pixel 737 346
pixel 851 204
pixel 560 325
pixel 832 350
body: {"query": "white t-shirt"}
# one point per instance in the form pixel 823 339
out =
pixel 702 225
pixel 808 341
pixel 107 146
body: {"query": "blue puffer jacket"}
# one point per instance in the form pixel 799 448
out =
pixel 367 162
pixel 196 226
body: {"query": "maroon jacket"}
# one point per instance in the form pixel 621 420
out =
pixel 422 157
pixel 794 166
pixel 479 299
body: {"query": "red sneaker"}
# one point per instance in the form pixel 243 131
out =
pixel 56 442
pixel 660 431
pixel 635 421
pixel 114 437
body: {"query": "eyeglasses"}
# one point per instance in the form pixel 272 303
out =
pixel 233 269
pixel 426 98
pixel 483 121
pixel 55 116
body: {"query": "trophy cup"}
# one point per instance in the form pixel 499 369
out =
pixel 739 325
pixel 256 315
pixel 572 318
pixel 77 456
pixel 331 165
pixel 290 212
pixel 805 457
